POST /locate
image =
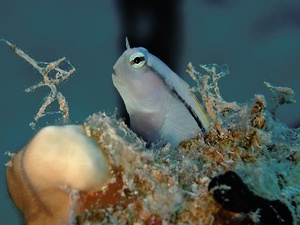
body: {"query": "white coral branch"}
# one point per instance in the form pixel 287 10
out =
pixel 48 81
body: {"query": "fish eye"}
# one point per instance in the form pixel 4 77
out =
pixel 137 59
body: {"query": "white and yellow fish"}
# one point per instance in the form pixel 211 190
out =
pixel 159 103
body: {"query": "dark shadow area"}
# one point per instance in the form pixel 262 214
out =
pixel 155 25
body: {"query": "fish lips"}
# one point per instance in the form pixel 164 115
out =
pixel 117 81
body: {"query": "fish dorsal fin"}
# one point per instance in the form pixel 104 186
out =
pixel 127 43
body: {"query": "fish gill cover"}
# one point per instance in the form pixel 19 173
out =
pixel 170 186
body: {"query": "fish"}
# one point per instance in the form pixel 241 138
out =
pixel 161 107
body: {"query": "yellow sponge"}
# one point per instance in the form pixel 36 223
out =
pixel 57 161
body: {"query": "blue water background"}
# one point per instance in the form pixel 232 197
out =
pixel 260 40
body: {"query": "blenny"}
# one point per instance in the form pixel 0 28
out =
pixel 159 103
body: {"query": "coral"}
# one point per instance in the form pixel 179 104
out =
pixel 52 76
pixel 170 186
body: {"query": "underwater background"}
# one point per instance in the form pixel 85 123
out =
pixel 258 40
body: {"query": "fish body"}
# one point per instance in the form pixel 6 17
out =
pixel 159 103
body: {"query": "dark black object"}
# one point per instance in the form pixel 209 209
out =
pixel 232 193
pixel 155 25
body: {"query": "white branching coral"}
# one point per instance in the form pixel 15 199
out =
pixel 52 76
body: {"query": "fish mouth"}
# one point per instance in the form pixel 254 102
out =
pixel 117 81
pixel 115 76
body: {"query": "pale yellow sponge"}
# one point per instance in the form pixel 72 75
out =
pixel 58 162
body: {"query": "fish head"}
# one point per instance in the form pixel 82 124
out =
pixel 138 84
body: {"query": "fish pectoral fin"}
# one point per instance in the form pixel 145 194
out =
pixel 179 124
pixel 147 123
